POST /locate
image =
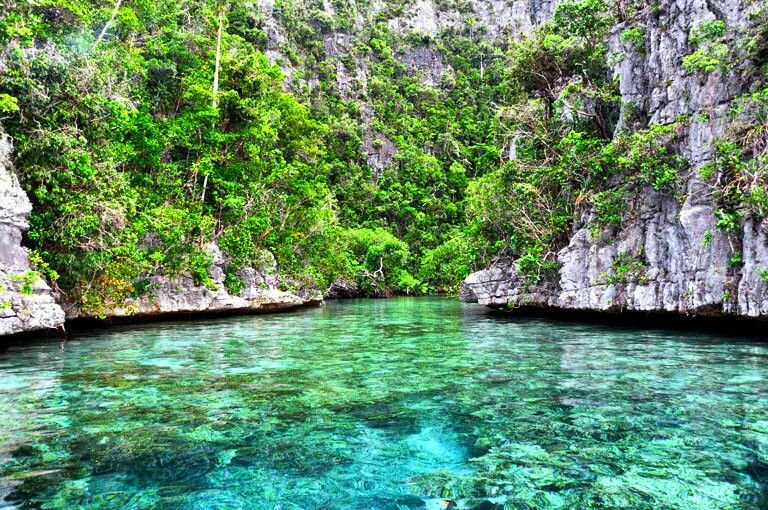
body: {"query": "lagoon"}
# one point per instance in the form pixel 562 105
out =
pixel 384 404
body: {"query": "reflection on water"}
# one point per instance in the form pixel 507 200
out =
pixel 388 404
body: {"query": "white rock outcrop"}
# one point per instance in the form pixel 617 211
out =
pixel 180 295
pixel 26 301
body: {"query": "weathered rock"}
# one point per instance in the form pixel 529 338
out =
pixel 683 260
pixel 502 285
pixel 180 295
pixel 26 301
pixel 752 293
pixel 343 288
pixel 493 18
pixel 425 63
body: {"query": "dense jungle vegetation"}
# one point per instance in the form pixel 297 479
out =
pixel 146 130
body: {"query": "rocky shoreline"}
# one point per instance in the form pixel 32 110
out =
pixel 179 296
pixel 29 306
pixel 669 255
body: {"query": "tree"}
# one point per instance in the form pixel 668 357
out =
pixel 221 7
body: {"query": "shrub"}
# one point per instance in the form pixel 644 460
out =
pixel 536 267
pixel 626 269
pixel 445 267
pixel 711 52
pixel 378 262
pixel 634 36
pixel 610 206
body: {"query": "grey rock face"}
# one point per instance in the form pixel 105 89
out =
pixel 419 20
pixel 181 295
pixel 426 63
pixel 502 285
pixel 26 301
pixel 685 261
pixel 493 17
pixel 752 291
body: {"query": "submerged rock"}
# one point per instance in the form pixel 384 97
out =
pixel 26 301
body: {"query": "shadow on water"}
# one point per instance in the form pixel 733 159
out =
pixel 735 327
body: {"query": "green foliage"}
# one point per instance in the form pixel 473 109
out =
pixel 707 31
pixel 626 269
pixel 44 269
pixel 709 59
pixel 728 221
pixel 403 182
pixel 742 181
pixel 445 266
pixel 764 275
pixel 610 206
pixel 755 41
pixel 378 262
pixel 589 19
pixel 650 154
pixel 707 171
pixel 711 53
pixel 535 266
pixel 8 104
pixel 199 265
pixel 26 281
pixel 133 172
pixel 565 65
pixel 634 36
pixel 514 210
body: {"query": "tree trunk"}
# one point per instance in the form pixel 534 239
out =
pixel 218 57
pixel 215 80
pixel 106 27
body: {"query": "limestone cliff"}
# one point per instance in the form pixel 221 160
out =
pixel 416 25
pixel 26 301
pixel 683 263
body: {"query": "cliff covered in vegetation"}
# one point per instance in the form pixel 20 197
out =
pixel 673 211
pixel 613 152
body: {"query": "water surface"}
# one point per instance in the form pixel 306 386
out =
pixel 387 404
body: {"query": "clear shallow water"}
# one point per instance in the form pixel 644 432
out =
pixel 384 405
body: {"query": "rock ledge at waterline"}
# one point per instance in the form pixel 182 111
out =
pixel 681 262
pixel 675 272
pixel 182 296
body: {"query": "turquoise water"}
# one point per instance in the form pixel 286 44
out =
pixel 388 404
